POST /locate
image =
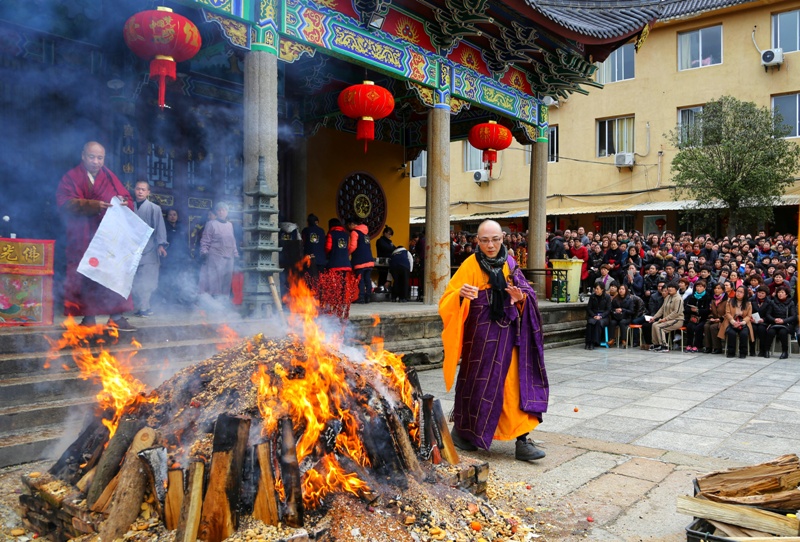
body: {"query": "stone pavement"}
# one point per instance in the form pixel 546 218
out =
pixel 628 430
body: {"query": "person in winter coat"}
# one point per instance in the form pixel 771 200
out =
pixel 598 310
pixel 639 310
pixel 712 342
pixel 668 318
pixel 781 320
pixel 737 323
pixel 557 249
pixel 620 317
pixel 361 257
pixel 696 308
pixel 579 251
pixel 761 302
pixel 613 258
pixel 633 280
pixel 401 264
pixel 595 261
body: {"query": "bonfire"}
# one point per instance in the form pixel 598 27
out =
pixel 274 438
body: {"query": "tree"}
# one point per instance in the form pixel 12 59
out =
pixel 734 156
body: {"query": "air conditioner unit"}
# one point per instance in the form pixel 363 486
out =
pixel 623 159
pixel 772 57
pixel 481 176
pixel 423 181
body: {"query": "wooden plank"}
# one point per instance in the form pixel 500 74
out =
pixel 440 421
pixel 403 444
pixel 174 502
pixel 220 516
pixel 743 516
pixel 189 522
pixel 266 505
pixel 110 461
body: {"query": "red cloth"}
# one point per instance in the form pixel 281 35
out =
pixel 82 296
pixel 582 253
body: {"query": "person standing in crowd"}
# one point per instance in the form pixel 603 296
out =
pixel 174 277
pixel 336 247
pixel 218 251
pixel 668 318
pixel 579 251
pixel 737 324
pixel 556 247
pixel 361 257
pixel 146 280
pixel 384 247
pixel 83 195
pixel 314 244
pixel 401 263
pixel 492 324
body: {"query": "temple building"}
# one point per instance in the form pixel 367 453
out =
pixel 253 118
pixel 609 156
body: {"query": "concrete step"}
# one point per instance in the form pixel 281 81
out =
pixel 22 418
pixel 37 443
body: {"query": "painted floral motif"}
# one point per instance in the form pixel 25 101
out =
pixel 406 29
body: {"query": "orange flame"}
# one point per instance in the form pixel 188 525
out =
pixel 321 395
pixel 121 391
pixel 229 336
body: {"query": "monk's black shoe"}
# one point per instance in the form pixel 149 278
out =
pixel 527 451
pixel 461 443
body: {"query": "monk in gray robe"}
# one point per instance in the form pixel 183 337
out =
pixel 218 250
pixel 146 280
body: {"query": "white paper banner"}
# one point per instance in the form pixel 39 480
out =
pixel 115 250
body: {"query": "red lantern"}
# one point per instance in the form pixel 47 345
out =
pixel 597 225
pixel 367 102
pixel 165 38
pixel 661 223
pixel 490 137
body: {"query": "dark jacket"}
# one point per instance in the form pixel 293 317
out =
pixel 384 247
pixel 782 309
pixel 703 306
pixel 656 300
pixel 624 303
pixel 639 307
pixel 557 248
pixel 761 307
pixel 613 258
pixel 650 283
pixel 635 286
pixel 598 305
pixel 314 243
pixel 336 248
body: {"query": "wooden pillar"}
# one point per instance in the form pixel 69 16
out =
pixel 437 205
pixel 537 212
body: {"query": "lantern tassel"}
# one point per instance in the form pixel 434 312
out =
pixel 162 67
pixel 365 129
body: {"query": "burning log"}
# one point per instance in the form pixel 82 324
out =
pixel 174 500
pixel 290 475
pixel 155 461
pixel 429 445
pixel 266 505
pixel 189 521
pixel 220 517
pixel 102 502
pixel 403 443
pixel 82 454
pixel 109 464
pixel 127 500
pixel 443 434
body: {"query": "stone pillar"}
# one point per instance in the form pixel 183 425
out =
pixel 537 213
pixel 437 205
pixel 260 203
pixel 299 212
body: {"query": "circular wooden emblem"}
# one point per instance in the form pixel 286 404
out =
pixel 360 195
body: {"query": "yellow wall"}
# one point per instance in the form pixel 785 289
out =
pixel 653 97
pixel 333 156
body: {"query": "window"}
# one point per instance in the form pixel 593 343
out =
pixel 614 135
pixel 786 31
pixel 700 48
pixel 788 107
pixel 552 144
pixel 687 119
pixel 473 158
pixel 616 222
pixel 618 66
pixel 419 167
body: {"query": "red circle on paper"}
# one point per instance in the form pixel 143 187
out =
pixel 94 262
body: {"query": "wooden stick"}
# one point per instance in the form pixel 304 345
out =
pixel 403 444
pixel 266 505
pixel 86 481
pixel 428 440
pixel 743 516
pixel 189 522
pixel 220 517
pixel 102 502
pixel 290 475
pixel 127 500
pixel 276 298
pixel 108 466
pixel 448 448
pixel 174 500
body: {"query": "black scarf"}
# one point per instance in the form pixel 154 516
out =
pixel 497 281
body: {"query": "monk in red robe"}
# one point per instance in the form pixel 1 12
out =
pixel 83 195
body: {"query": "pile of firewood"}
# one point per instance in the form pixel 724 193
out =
pixel 751 503
pixel 195 464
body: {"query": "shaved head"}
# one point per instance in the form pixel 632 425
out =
pixel 490 238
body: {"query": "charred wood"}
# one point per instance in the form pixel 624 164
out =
pixel 189 522
pixel 290 475
pixel 82 454
pixel 155 462
pixel 406 451
pixel 447 448
pixel 109 463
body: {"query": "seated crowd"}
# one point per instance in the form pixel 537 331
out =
pixel 720 294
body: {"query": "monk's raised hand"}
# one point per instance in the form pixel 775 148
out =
pixel 515 293
pixel 468 291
